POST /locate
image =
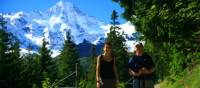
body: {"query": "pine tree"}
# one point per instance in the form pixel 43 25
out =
pixel 31 70
pixel 3 39
pixel 91 76
pixel 68 60
pixel 45 57
pixel 10 61
pixel 170 28
pixel 46 63
pixel 119 49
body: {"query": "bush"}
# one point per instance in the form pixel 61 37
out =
pixel 190 80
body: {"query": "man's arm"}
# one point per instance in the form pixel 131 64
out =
pixel 147 71
pixel 133 73
pixel 151 66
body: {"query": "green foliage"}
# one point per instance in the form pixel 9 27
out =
pixel 121 85
pixel 68 60
pixel 83 84
pixel 45 58
pixel 47 65
pixel 171 32
pixel 190 80
pixel 176 70
pixel 10 60
pixel 47 83
pixel 34 86
pixel 90 79
pixel 31 70
pixel 119 49
pixel 91 76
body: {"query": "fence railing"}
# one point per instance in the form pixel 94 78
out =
pixel 67 76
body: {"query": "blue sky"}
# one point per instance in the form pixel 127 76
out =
pixel 101 9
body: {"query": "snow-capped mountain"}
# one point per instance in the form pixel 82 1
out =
pixel 30 28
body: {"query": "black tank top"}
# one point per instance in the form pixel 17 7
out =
pixel 106 68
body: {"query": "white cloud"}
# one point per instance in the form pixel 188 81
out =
pixel 128 28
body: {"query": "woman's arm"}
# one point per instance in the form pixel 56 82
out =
pixel 98 69
pixel 98 72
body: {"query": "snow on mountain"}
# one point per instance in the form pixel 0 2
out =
pixel 30 28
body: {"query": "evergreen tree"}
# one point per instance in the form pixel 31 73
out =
pixel 119 49
pixel 31 70
pixel 170 29
pixel 45 57
pixel 10 61
pixel 91 76
pixel 46 63
pixel 3 39
pixel 68 60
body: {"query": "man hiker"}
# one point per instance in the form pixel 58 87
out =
pixel 141 67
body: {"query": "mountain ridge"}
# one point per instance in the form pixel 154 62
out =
pixel 52 24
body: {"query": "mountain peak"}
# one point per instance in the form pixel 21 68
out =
pixel 62 6
pixel 31 28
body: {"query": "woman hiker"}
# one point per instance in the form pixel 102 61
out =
pixel 106 71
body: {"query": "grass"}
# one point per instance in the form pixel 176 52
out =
pixel 190 80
